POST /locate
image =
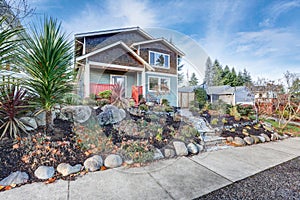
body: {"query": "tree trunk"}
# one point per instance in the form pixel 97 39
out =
pixel 49 122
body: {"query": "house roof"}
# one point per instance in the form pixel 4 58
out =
pixel 222 89
pixel 164 41
pixel 120 30
pixel 114 45
pixel 187 89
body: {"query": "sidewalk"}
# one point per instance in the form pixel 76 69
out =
pixel 180 178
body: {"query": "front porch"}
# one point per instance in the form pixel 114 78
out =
pixel 136 91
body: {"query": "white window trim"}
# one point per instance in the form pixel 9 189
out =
pixel 159 83
pixel 157 66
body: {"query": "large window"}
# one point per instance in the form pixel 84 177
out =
pixel 159 59
pixel 158 84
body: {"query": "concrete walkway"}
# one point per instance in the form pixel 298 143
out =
pixel 180 178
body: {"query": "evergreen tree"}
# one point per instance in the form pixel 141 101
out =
pixel 246 77
pixel 180 74
pixel 233 78
pixel 226 76
pixel 194 80
pixel 240 79
pixel 208 77
pixel 217 73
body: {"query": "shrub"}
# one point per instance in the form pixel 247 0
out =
pixel 143 107
pixel 201 97
pixel 72 99
pixel 234 112
pixel 169 109
pixel 106 94
pixel 138 151
pixel 214 121
pixel 13 105
pixel 165 102
pixel 102 102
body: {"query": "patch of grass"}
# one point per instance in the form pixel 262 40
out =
pixel 290 128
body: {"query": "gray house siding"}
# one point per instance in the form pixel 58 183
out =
pixel 116 55
pixel 171 96
pixel 161 48
pixel 98 42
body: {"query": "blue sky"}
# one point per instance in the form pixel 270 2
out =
pixel 262 36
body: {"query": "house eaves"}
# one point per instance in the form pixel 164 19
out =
pixel 120 30
pixel 114 45
pixel 164 41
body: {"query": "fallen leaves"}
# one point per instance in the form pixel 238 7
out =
pixel 16 146
pixel 50 180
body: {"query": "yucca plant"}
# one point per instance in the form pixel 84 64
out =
pixel 46 58
pixel 117 96
pixel 13 104
pixel 8 42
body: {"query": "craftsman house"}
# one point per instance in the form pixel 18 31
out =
pixel 143 65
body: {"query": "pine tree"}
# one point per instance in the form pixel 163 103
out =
pixel 208 77
pixel 233 79
pixel 217 73
pixel 180 74
pixel 194 80
pixel 226 76
pixel 246 77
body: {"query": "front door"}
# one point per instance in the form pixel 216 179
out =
pixel 119 79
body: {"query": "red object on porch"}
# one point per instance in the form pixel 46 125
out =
pixel 96 88
pixel 136 91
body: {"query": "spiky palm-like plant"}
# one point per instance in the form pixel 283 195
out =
pixel 46 58
pixel 8 42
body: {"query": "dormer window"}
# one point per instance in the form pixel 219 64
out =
pixel 160 60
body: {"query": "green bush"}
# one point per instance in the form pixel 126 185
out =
pixel 165 102
pixel 143 107
pixel 201 97
pixel 214 121
pixel 102 102
pixel 106 94
pixel 72 99
pixel 168 109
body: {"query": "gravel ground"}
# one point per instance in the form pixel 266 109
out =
pixel 279 182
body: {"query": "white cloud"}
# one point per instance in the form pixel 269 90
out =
pixel 111 14
pixel 275 10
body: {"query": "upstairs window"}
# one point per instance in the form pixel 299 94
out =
pixel 159 59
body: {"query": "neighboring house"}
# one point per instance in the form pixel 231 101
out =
pixel 130 57
pixel 230 95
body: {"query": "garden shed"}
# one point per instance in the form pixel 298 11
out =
pixel 186 95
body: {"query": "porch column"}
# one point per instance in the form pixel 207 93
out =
pixel 86 79
pixel 144 83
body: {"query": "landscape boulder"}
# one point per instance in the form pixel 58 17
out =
pixel 111 115
pixel 180 148
pixel 192 148
pixel 78 114
pixel 238 141
pixel 249 140
pixel 44 172
pixel 15 178
pixel 113 161
pixel 266 137
pixel 169 153
pixel 93 163
pixel 29 122
pixel 157 154
pixel 66 169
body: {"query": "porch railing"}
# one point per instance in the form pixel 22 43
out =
pixel 96 88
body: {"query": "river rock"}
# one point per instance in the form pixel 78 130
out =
pixel 111 115
pixel 29 122
pixel 200 147
pixel 229 139
pixel 169 153
pixel 93 163
pixel 44 172
pixel 157 154
pixel 249 140
pixel 113 161
pixel 15 178
pixel 79 114
pixel 192 148
pixel 261 139
pixel 65 169
pixel 255 138
pixel 180 148
pixel 266 137
pixel 238 141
